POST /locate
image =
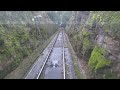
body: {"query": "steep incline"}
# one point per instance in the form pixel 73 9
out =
pixel 21 32
pixel 95 36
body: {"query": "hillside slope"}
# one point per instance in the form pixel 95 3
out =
pixel 21 32
pixel 95 36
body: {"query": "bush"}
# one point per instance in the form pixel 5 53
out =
pixel 97 59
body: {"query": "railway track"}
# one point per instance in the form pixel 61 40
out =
pixel 63 57
pixel 38 75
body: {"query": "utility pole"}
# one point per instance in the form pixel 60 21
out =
pixel 75 20
pixel 37 20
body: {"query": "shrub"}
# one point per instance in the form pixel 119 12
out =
pixel 97 59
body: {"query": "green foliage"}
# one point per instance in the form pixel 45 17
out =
pixel 77 71
pixel 87 43
pixel 110 75
pixel 17 41
pixel 66 16
pixel 106 23
pixel 61 16
pixel 85 33
pixel 9 68
pixel 54 16
pixel 109 20
pixel 97 59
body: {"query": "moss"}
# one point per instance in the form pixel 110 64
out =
pixel 97 59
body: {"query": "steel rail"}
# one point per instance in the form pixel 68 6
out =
pixel 47 58
pixel 44 61
pixel 63 58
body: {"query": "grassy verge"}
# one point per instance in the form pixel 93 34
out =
pixel 67 70
pixel 77 71
pixel 20 71
pixel 74 59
